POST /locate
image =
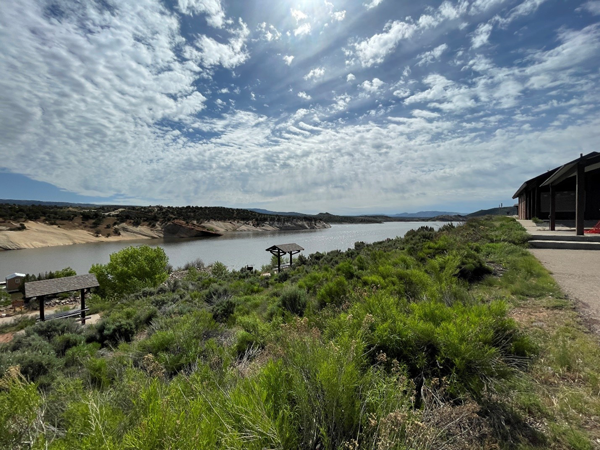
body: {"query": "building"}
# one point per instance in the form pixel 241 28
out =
pixel 14 281
pixel 568 193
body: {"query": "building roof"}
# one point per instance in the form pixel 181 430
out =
pixel 15 275
pixel 286 248
pixel 59 285
pixel 591 161
pixel 553 176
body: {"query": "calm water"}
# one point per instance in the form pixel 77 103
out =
pixel 235 251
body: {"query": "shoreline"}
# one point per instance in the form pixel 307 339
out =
pixel 40 235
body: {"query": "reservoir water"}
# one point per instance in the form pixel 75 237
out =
pixel 235 250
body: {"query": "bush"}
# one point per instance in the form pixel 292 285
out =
pixel 111 330
pixel 65 342
pixel 131 270
pixel 219 270
pixel 334 292
pixel 197 264
pixel 216 294
pixel 222 310
pixel 294 300
pixel 470 345
pixel 19 403
pixel 53 328
pixel 35 356
pixel 4 297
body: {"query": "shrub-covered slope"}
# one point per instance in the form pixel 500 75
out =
pixel 405 343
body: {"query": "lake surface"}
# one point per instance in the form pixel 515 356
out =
pixel 235 251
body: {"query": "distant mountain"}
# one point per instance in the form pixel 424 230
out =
pixel 505 211
pixel 39 202
pixel 425 214
pixel 275 213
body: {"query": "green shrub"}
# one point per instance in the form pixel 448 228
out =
pixel 111 331
pixel 470 345
pixel 294 300
pixel 132 269
pixel 180 342
pixel 334 292
pixel 219 270
pixel 144 316
pixel 66 341
pixel 98 372
pixel 346 269
pixel 19 403
pixel 244 341
pixel 35 356
pixel 52 328
pixel 222 310
pixel 217 293
pixel 81 353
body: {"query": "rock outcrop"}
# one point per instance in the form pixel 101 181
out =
pixel 181 229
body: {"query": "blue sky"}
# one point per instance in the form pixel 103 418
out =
pixel 311 105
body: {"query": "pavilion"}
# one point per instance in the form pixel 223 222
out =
pixel 281 250
pixel 569 192
pixel 42 289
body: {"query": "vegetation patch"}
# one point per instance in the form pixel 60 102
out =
pixel 455 338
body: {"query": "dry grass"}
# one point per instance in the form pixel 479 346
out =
pixel 562 397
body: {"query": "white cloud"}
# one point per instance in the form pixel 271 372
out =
pixel 372 86
pixel 82 99
pixel 402 93
pixel 304 95
pixel 303 29
pixel 298 15
pixel 524 9
pixel 268 32
pixel 577 48
pixel 350 78
pixel 424 114
pixel 212 8
pixel 372 4
pixel 376 48
pixel 338 16
pixel 288 59
pixel 450 12
pixel 432 55
pixel 315 74
pixel 230 55
pixel 481 35
pixel 444 94
pixel 480 6
pixel 341 102
pixel 592 6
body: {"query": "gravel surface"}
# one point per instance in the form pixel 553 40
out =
pixel 578 274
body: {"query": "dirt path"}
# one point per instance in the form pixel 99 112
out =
pixel 578 274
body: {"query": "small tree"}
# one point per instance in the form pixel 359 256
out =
pixel 131 270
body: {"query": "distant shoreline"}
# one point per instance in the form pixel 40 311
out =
pixel 41 235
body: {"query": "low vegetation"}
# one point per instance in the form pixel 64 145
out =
pixel 452 339
pixel 102 218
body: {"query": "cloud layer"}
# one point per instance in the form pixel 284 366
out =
pixel 209 102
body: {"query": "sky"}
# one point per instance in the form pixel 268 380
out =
pixel 350 107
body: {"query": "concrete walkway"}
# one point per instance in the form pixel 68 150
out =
pixel 578 274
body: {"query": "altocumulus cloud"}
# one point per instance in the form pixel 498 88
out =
pixel 222 102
